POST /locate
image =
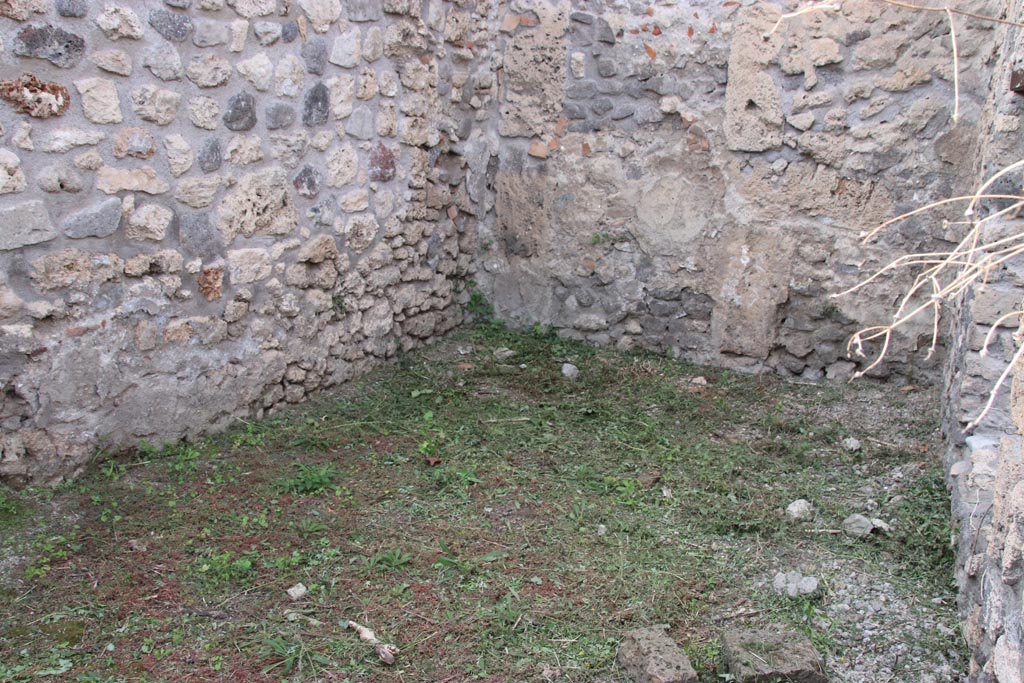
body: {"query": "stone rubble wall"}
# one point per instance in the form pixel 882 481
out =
pixel 986 467
pixel 209 208
pixel 688 180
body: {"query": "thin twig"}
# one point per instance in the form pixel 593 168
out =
pixel 823 6
pixel 505 420
pixel 995 390
pixel 956 68
pixel 995 328
pixel 963 13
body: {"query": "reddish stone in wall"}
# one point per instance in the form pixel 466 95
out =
pixel 211 281
pixel 382 163
pixel 29 95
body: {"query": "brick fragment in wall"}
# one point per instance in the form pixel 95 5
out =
pixel 39 99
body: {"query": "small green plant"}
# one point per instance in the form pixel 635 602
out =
pixel 10 507
pixel 113 470
pixel 311 479
pixel 450 560
pixel 391 559
pixel 224 568
pixel 479 307
pixel 252 437
pixel 311 527
pixel 290 656
pixel 51 551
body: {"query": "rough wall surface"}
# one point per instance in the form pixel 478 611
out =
pixel 210 208
pixel 694 179
pixel 986 468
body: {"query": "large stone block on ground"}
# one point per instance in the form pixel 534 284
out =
pixel 771 656
pixel 648 655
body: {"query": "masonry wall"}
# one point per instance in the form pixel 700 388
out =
pixel 695 179
pixel 985 466
pixel 209 209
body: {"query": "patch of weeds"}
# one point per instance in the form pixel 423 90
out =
pixel 464 565
pixel 311 527
pixel 52 551
pixel 478 306
pixel 704 656
pixel 11 507
pixel 391 559
pixel 291 656
pixel 224 568
pixel 311 480
pixel 253 436
pixel 455 480
pixel 921 536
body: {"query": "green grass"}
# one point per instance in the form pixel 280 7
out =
pixel 488 516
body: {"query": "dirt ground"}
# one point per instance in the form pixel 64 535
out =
pixel 498 520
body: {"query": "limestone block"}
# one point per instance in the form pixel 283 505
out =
pixel 179 154
pixel 208 71
pixel 267 32
pixel 115 61
pixel 145 179
pixel 343 90
pixel 373 44
pixel 119 22
pixel 259 204
pixel 59 177
pixel 319 249
pixel 346 50
pixel 24 224
pixel 342 165
pixel 198 192
pixel 239 32
pixel 253 8
pixel 89 161
pixel 135 142
pixel 258 70
pixel 155 263
pixel 204 112
pixel 321 13
pixel 211 33
pixel 248 265
pixel 164 62
pixel 360 232
pixel 244 149
pixel 98 220
pixel 157 105
pixel 289 76
pixel 74 268
pixel 289 148
pixel 149 222
pixel 534 73
pixel 20 10
pixel 771 655
pixel 12 178
pixel 100 102
pixel 753 105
